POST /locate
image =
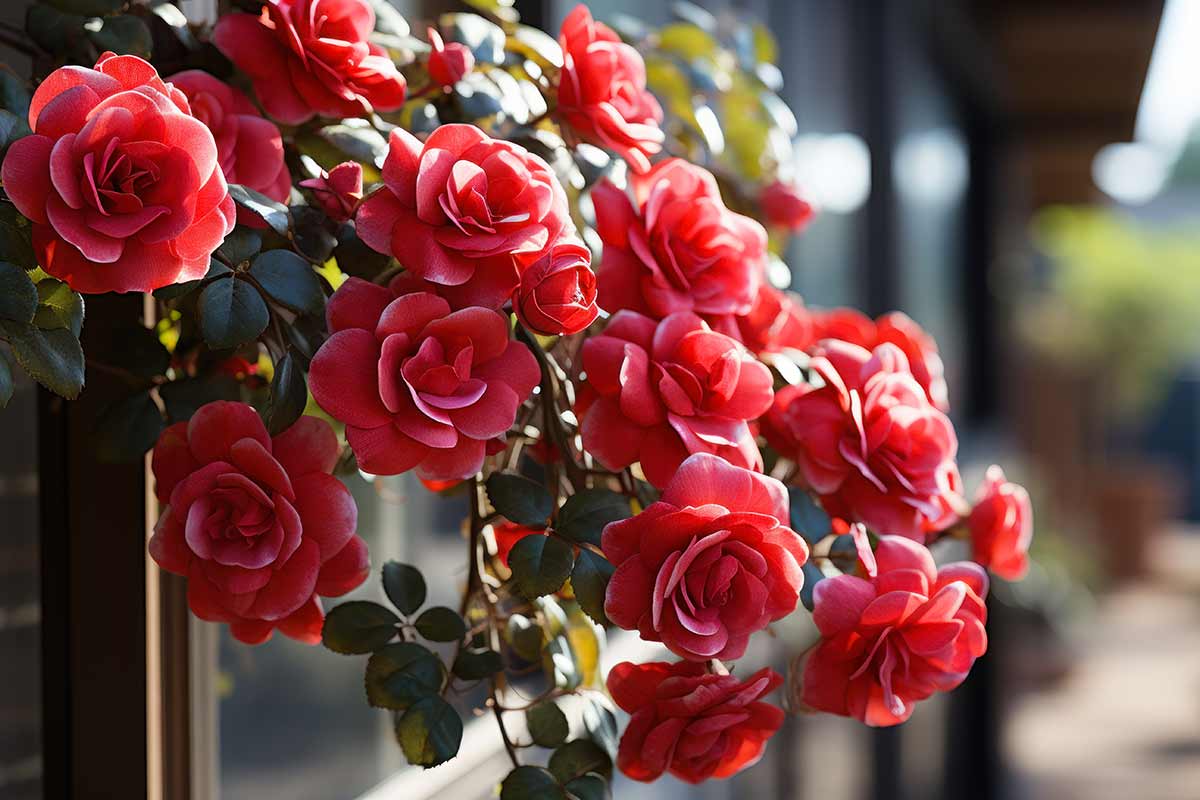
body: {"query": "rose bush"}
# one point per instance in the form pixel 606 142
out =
pixel 709 564
pixel 121 182
pixel 557 294
pixel 257 524
pixel 1001 526
pixel 658 391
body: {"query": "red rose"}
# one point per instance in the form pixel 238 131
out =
pixel 1001 525
pixel 557 294
pixel 120 181
pixel 464 211
pixel 681 249
pixel 602 93
pixel 777 321
pixel 663 390
pixel 448 63
pixel 257 524
pixel 869 442
pixel 690 723
pixel 339 191
pixel 310 57
pixel 923 359
pixel 784 206
pixel 890 641
pixel 249 148
pixel 416 384
pixel 709 564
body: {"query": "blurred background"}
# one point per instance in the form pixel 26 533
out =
pixel 1019 176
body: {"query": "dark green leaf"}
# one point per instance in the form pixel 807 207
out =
pixel 175 19
pixel 124 34
pixel 404 586
pixel 477 97
pixel 242 244
pixel 52 358
pixel 520 499
pixel 58 306
pixel 56 32
pixel 355 258
pixel 530 783
pixel 812 576
pixel 430 732
pixel 562 666
pixel 583 517
pixel 18 295
pixel 140 351
pixel 808 519
pixel 127 429
pixel 290 280
pixel 176 290
pixel 486 39
pixel 184 397
pixel 14 93
pixel 11 128
pixel 540 565
pixel 400 674
pixel 547 724
pixel 359 626
pixel 231 313
pixel 7 381
pixel 289 395
pixel 311 237
pixel 15 246
pixel 589 579
pixel 274 213
pixel 472 665
pixel 357 139
pixel 588 787
pixel 525 637
pixel 441 624
pixel 578 758
pixel 600 721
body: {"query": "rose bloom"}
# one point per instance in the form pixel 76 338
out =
pixel 310 57
pixel 869 442
pixel 1001 525
pixel 448 63
pixel 419 386
pixel 338 191
pixel 923 359
pixel 557 294
pixel 464 211
pixel 658 391
pixel 257 524
pixel 893 640
pixel 777 321
pixel 690 723
pixel 709 564
pixel 679 249
pixel 784 206
pixel 120 181
pixel 602 93
pixel 249 148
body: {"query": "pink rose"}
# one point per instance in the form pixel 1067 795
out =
pixel 709 564
pixel 690 723
pixel 680 249
pixel 310 57
pixel 602 93
pixel 338 191
pixel 777 321
pixel 448 63
pixel 120 181
pixel 249 148
pixel 557 294
pixel 257 524
pixel 893 640
pixel 869 442
pixel 664 390
pixel 1001 525
pixel 784 206
pixel 464 211
pixel 417 384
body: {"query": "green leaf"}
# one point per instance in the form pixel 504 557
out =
pixel 528 782
pixel 589 579
pixel 812 576
pixel 127 429
pixel 540 565
pixel 184 397
pixel 536 45
pixel 430 732
pixel 486 39
pixel 357 139
pixel 15 246
pixel 808 519
pixel 400 674
pixel 472 665
pixel 578 758
pixel 600 721
pixel 560 664
pixel 547 724
pixel 587 787
pixel 525 637
pixel 310 235
pixel 404 586
pixel 441 624
pixel 583 517
pixel 231 313
pixel 388 20
pixel 59 306
pixel 289 394
pixel 124 34
pixel 275 214
pixel 242 244
pixel 11 128
pixel 56 32
pixel 359 626
pixel 52 358
pixel 14 93
pixel 18 295
pixel 519 499
pixel 8 383
pixel 290 280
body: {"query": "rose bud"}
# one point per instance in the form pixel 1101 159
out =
pixel 557 294
pixel 1001 526
pixel 448 63
pixel 784 206
pixel 339 190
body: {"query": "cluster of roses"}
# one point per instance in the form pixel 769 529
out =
pixel 125 182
